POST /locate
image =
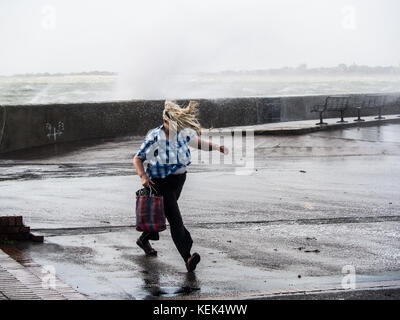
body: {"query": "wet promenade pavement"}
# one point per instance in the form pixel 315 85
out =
pixel 314 204
pixel 23 279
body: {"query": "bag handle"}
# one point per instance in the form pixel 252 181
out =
pixel 150 187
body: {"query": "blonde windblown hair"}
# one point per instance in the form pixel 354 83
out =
pixel 183 117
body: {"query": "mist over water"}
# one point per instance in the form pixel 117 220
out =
pixel 56 89
pixel 91 88
pixel 173 44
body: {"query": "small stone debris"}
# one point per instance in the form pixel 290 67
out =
pixel 300 248
pixel 275 249
pixel 230 241
pixel 314 251
pixel 299 276
pixel 311 238
pixel 302 171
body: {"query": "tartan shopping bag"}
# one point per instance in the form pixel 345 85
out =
pixel 150 216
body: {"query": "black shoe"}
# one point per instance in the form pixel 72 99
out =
pixel 146 246
pixel 192 262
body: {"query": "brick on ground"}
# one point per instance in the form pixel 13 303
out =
pixel 13 228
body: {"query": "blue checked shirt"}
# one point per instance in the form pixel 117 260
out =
pixel 165 156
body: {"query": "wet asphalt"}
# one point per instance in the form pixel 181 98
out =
pixel 313 204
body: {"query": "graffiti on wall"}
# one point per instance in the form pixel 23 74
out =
pixel 54 130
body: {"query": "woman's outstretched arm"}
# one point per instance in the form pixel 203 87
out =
pixel 138 163
pixel 209 146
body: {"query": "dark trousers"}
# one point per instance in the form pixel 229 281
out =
pixel 170 188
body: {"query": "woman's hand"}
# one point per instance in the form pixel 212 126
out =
pixel 146 181
pixel 223 150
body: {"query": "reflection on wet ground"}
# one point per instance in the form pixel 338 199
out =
pixel 105 266
pixel 152 272
pixel 113 157
pixel 32 171
pixel 254 261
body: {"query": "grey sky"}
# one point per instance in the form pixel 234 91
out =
pixel 169 36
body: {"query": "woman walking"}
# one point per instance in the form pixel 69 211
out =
pixel 166 150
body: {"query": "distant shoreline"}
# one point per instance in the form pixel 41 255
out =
pixel 60 74
pixel 301 70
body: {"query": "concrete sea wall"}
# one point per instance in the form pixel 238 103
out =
pixel 28 126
